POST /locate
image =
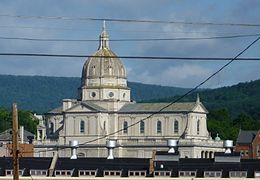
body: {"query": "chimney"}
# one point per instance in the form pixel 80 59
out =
pixel 67 103
pixel 21 134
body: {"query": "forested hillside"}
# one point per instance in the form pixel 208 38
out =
pixel 40 94
pixel 237 99
pixel 230 108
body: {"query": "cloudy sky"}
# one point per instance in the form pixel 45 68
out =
pixel 164 72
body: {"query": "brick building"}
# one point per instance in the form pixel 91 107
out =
pixel 248 144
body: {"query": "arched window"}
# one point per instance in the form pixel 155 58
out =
pixel 159 127
pixel 176 127
pixel 82 126
pixel 51 128
pixel 198 127
pixel 93 70
pixel 125 131
pixel 142 127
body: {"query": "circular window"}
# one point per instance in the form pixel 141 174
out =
pixel 111 94
pixel 93 94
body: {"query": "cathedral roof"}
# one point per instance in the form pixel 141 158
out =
pixel 153 107
pixel 55 110
pixel 139 107
pixel 104 63
pixel 88 104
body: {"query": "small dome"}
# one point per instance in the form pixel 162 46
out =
pixel 217 138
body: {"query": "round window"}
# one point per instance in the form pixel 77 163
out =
pixel 93 94
pixel 111 94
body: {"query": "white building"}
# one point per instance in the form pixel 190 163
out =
pixel 104 107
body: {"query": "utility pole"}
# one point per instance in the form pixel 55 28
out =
pixel 15 151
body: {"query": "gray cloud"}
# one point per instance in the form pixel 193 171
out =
pixel 180 73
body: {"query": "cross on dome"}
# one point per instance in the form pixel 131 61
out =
pixel 103 38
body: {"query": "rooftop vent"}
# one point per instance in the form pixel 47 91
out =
pixel 171 143
pixel 228 145
pixel 228 155
pixel 110 144
pixel 74 144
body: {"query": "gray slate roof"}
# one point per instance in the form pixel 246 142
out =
pixel 92 105
pixel 140 107
pixel 246 137
pixel 56 110
pixel 89 104
pixel 153 107
pixel 6 136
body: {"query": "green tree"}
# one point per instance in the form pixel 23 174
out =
pixel 25 118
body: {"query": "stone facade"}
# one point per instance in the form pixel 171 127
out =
pixel 104 111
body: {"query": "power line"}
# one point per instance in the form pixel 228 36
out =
pixel 120 30
pixel 129 57
pixel 129 20
pixel 178 99
pixel 175 101
pixel 134 39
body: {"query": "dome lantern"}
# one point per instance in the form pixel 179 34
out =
pixel 103 38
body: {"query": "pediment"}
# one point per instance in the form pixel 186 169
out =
pixel 82 107
pixel 199 107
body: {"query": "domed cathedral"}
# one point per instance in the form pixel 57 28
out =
pixel 105 112
pixel 104 75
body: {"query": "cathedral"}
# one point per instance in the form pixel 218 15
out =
pixel 104 111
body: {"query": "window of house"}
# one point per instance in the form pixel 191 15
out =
pixel 241 153
pixel 258 151
pixel 208 174
pixel 176 127
pixel 51 128
pixel 198 127
pixel 187 173
pixel 162 173
pixel 125 131
pixel 246 152
pixel 257 174
pixel 159 127
pixel 237 174
pixel 142 127
pixel 82 126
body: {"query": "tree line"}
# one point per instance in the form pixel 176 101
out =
pixel 25 118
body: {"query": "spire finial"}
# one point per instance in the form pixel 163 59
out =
pixel 198 98
pixel 103 38
pixel 104 25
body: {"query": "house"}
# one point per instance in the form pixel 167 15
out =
pixel 248 144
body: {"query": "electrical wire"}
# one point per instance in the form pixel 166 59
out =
pixel 179 98
pixel 122 30
pixel 171 103
pixel 129 57
pixel 129 20
pixel 134 39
